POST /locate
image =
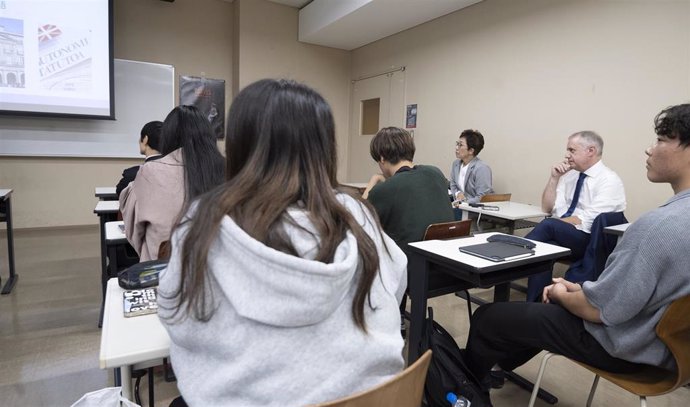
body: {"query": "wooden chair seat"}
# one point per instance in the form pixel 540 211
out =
pixel 673 330
pixel 404 390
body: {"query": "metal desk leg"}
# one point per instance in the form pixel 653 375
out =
pixel 104 270
pixel 126 381
pixel 418 286
pixel 9 285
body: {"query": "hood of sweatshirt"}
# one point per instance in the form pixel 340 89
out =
pixel 294 291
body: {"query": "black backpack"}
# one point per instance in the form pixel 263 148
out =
pixel 447 370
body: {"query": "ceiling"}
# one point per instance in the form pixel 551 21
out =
pixel 293 3
pixel 350 24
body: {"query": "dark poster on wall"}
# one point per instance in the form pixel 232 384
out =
pixel 411 117
pixel 208 95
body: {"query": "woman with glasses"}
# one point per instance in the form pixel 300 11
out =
pixel 470 177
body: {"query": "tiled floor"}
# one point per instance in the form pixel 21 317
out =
pixel 49 339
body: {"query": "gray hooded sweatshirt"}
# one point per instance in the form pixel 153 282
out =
pixel 282 333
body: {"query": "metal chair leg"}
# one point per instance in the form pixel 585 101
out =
pixel 542 368
pixel 591 392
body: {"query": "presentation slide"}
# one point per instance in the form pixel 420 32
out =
pixel 55 57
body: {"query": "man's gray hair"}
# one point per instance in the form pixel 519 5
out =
pixel 590 138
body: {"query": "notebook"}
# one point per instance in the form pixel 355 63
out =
pixel 497 251
pixel 140 302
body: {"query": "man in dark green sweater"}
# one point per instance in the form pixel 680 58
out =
pixel 407 197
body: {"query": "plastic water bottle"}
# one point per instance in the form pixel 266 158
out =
pixel 456 401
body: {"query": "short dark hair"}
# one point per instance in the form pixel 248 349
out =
pixel 153 130
pixel 674 123
pixel 474 140
pixel 393 144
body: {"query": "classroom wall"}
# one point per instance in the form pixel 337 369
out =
pixel 240 42
pixel 271 50
pixel 195 36
pixel 527 73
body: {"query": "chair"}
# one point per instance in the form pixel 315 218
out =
pixel 451 230
pixel 674 330
pixel 404 390
pixel 493 223
pixel 442 231
pixel 495 197
pixel 447 230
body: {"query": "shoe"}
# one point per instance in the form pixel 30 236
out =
pixel 498 378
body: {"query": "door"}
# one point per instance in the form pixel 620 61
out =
pixel 377 102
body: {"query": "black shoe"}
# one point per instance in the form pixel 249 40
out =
pixel 498 378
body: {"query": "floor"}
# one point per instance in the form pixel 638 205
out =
pixel 49 339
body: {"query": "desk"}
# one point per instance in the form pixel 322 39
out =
pixel 126 342
pixel 6 197
pixel 431 259
pixel 114 237
pixel 507 211
pixel 436 264
pixel 106 211
pixel 106 193
pixel 617 230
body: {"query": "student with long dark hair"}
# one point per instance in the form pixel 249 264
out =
pixel 191 165
pixel 281 288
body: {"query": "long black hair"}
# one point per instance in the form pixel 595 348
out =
pixel 281 150
pixel 185 127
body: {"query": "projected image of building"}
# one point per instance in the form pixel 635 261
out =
pixel 11 53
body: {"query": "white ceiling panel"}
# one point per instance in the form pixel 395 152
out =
pixel 350 24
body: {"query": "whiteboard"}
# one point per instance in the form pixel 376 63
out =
pixel 143 92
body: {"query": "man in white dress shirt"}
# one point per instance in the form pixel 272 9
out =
pixel 579 189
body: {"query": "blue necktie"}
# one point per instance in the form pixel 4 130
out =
pixel 576 195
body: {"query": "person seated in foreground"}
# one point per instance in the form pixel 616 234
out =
pixel 609 323
pixel 470 177
pixel 149 141
pixel 191 165
pixel 282 290
pixel 407 197
pixel 579 189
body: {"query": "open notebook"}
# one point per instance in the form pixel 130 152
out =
pixel 497 251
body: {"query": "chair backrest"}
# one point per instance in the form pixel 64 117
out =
pixel 674 331
pixel 495 197
pixel 404 390
pixel 448 230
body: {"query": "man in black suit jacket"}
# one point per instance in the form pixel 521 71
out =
pixel 148 146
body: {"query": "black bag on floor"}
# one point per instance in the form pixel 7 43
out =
pixel 448 371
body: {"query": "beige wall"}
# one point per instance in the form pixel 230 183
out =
pixel 271 50
pixel 529 73
pixel 194 36
pixel 525 72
